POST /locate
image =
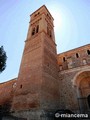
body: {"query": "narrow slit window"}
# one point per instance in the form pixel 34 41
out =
pixel 50 33
pixel 20 86
pixel 88 52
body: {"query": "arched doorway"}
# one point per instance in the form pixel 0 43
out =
pixel 82 84
pixel 88 99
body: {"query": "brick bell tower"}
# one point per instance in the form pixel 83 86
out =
pixel 37 87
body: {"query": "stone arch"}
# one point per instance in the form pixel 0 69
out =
pixel 81 82
pixel 77 77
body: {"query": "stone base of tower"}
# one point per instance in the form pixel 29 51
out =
pixel 35 114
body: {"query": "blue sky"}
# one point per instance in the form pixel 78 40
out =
pixel 71 21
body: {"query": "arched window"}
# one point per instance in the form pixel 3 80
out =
pixel 88 52
pixel 49 32
pixel 33 31
pixel 88 99
pixel 37 28
pixel 77 55
pixel 64 59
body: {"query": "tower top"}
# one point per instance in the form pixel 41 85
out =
pixel 41 10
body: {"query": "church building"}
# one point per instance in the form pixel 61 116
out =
pixel 47 81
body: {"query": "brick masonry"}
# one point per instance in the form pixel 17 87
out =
pixel 48 81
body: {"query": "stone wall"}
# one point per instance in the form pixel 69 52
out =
pixel 7 92
pixel 74 58
pixel 69 90
pixel 68 97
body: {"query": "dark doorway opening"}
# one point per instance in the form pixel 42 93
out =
pixel 88 98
